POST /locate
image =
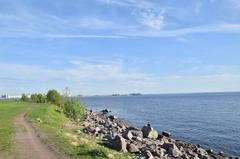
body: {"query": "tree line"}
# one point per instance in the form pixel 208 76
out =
pixel 71 108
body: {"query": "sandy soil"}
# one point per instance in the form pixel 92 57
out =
pixel 29 145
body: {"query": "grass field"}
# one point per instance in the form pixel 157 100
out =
pixel 8 112
pixel 67 137
pixel 54 128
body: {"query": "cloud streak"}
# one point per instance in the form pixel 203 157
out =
pixel 148 21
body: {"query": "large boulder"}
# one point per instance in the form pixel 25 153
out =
pixel 127 134
pixel 175 152
pixel 172 149
pixel 137 133
pixel 119 143
pixel 149 132
pixel 201 151
pixel 169 145
pixel 105 111
pixel 166 134
pixel 132 148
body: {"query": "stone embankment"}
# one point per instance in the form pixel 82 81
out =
pixel 145 143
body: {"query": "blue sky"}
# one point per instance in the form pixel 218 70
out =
pixel 119 46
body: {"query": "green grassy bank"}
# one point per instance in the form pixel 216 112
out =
pixel 53 126
pixel 8 112
pixel 68 137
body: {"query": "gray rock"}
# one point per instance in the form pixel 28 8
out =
pixel 149 132
pixel 160 152
pixel 148 155
pixel 137 133
pixel 112 117
pixel 175 152
pixel 167 146
pixel 127 134
pixel 167 134
pixel 97 129
pixel 119 143
pixel 185 156
pixel 201 151
pixel 132 148
pixel 90 129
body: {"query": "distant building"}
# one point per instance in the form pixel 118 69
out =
pixel 6 96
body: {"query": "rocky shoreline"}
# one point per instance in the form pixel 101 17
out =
pixel 145 143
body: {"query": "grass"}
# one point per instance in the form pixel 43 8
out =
pixel 8 112
pixel 67 137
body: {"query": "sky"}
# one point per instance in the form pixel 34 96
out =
pixel 119 46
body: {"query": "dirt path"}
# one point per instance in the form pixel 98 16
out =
pixel 30 145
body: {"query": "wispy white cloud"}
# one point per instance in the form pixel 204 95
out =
pixel 218 28
pixel 81 72
pixel 152 20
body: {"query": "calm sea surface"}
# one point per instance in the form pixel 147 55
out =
pixel 212 120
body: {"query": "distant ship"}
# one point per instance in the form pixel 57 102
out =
pixel 116 94
pixel 135 94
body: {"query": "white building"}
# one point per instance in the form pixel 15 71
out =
pixel 6 96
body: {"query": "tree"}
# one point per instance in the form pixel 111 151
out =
pixel 38 98
pixel 54 97
pixel 34 98
pixel 41 98
pixel 24 98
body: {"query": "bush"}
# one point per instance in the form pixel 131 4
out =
pixel 38 98
pixel 24 98
pixel 34 98
pixel 74 110
pixel 41 98
pixel 54 97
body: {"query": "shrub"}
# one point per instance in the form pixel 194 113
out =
pixel 74 110
pixel 41 98
pixel 34 98
pixel 24 98
pixel 54 97
pixel 38 98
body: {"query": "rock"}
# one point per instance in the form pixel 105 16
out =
pixel 167 146
pixel 112 117
pixel 185 156
pixel 167 134
pixel 149 132
pixel 160 152
pixel 172 149
pixel 201 151
pixel 132 148
pixel 138 139
pixel 137 133
pixel 122 124
pixel 119 143
pixel 175 152
pixel 127 134
pixel 105 111
pixel 210 151
pixel 90 129
pixel 142 142
pixel 221 153
pixel 148 154
pixel 133 128
pixel 97 129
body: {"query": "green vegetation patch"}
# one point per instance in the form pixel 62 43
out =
pixel 8 112
pixel 67 137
